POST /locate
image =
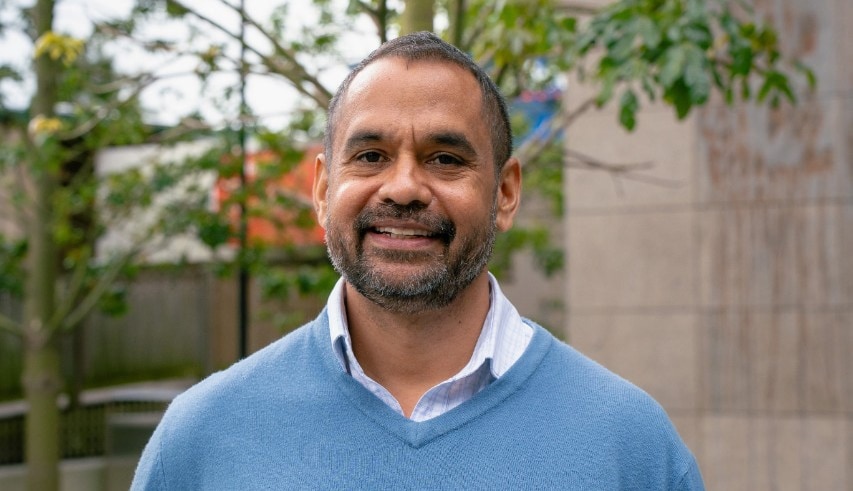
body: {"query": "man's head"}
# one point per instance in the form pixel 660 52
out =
pixel 410 189
pixel 426 46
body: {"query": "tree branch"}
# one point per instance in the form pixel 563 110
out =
pixel 477 29
pixel 379 16
pixel 101 114
pixel 295 73
pixel 533 147
pixel 72 293
pixel 457 15
pixel 96 293
pixel 632 171
pixel 7 324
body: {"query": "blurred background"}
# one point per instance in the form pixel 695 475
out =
pixel 687 218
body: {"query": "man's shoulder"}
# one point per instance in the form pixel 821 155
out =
pixel 584 401
pixel 278 366
pixel 586 385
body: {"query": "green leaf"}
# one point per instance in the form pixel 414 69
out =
pixel 698 34
pixel 695 75
pixel 606 92
pixel 175 9
pixel 114 302
pixel 679 96
pixel 649 88
pixel 628 106
pixel 807 72
pixel 214 233
pixel 745 89
pixel 621 49
pixel 742 60
pixel 649 32
pixel 674 60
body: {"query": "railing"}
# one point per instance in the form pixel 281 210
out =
pixel 111 421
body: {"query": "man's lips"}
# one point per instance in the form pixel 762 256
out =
pixel 397 223
pixel 403 232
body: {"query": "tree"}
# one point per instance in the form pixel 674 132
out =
pixel 61 206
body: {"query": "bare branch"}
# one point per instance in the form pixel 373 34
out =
pixel 101 114
pixel 533 147
pixel 364 7
pixel 578 8
pixel 88 303
pixel 293 71
pixel 382 23
pixel 379 16
pixel 7 324
pixel 72 293
pixel 457 15
pixel 145 79
pixel 477 30
pixel 632 171
pixel 185 126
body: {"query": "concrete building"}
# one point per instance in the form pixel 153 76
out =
pixel 727 291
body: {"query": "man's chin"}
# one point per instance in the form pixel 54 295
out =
pixel 405 281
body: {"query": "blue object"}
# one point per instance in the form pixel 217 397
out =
pixel 289 417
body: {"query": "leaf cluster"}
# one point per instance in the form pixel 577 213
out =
pixel 680 51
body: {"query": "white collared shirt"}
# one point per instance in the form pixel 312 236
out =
pixel 503 339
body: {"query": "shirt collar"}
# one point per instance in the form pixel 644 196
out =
pixel 502 340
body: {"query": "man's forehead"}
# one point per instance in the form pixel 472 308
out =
pixel 386 69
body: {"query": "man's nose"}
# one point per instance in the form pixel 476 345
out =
pixel 406 182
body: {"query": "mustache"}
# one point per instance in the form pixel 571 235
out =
pixel 438 225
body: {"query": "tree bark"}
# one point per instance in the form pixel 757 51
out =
pixel 417 16
pixel 41 376
pixel 41 379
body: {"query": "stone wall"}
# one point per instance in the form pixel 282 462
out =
pixel 723 285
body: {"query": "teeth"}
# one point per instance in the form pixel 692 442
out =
pixel 402 231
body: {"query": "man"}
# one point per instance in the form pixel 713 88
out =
pixel 419 373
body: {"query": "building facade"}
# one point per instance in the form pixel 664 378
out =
pixel 722 281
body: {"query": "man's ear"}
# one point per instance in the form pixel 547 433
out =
pixel 509 194
pixel 320 188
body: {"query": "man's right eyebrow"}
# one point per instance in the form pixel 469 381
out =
pixel 359 139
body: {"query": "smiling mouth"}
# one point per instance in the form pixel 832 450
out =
pixel 404 223
pixel 403 233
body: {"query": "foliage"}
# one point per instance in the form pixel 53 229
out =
pixel 677 51
pixel 680 50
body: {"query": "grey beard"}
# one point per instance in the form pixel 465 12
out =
pixel 438 284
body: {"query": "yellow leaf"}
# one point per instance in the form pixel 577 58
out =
pixel 41 125
pixel 59 46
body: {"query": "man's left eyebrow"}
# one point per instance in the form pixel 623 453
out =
pixel 452 139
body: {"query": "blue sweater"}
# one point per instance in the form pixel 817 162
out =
pixel 289 417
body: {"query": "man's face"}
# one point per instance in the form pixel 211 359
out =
pixel 410 200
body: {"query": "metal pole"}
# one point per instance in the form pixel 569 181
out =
pixel 243 275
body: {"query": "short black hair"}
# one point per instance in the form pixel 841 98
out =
pixel 426 46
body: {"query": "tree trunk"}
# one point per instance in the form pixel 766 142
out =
pixel 41 376
pixel 417 16
pixel 41 380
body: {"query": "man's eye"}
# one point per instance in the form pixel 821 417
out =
pixel 372 157
pixel 446 159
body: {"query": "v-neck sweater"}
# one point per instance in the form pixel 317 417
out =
pixel 289 417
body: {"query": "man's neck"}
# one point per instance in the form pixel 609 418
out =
pixel 410 353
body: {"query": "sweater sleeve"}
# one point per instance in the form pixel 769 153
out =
pixel 692 479
pixel 149 474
